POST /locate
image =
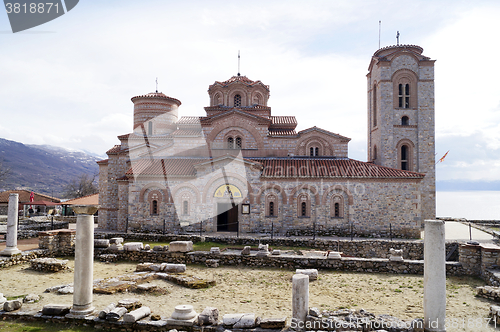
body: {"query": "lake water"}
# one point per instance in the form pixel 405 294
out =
pixel 472 205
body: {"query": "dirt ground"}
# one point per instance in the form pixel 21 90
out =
pixel 266 292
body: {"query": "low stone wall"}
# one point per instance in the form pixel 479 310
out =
pixel 372 248
pixel 58 242
pixel 24 257
pixel 376 265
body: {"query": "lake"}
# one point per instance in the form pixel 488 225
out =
pixel 472 205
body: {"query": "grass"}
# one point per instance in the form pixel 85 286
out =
pixel 6 326
pixel 205 246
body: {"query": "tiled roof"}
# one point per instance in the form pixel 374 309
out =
pixel 114 150
pixel 238 78
pixel 324 167
pixel 281 132
pixel 323 131
pixel 85 200
pixel 283 121
pixel 157 95
pixel 169 166
pixel 187 132
pixel 189 120
pixel 24 196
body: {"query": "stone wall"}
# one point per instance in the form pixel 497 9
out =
pixel 59 242
pixel 24 257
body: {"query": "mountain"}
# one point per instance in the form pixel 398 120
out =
pixel 43 168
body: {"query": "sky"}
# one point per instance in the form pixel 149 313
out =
pixel 68 82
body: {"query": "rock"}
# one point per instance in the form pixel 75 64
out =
pixel 273 323
pixel 215 250
pixel 116 240
pixel 133 246
pixel 181 246
pixel 129 304
pixel 116 244
pixel 107 310
pixel 137 314
pixel 12 305
pixel 247 321
pixel 146 287
pixel 312 273
pixel 175 268
pixel 55 309
pixel 155 317
pixel 142 267
pixel 396 255
pixel 157 248
pixel 212 263
pixel 66 290
pixel 246 251
pixel 157 267
pixel 313 311
pixel 263 250
pixel 276 252
pixel 115 314
pixel 147 247
pixel 209 316
pixel 101 243
pixel 31 298
pixel 417 324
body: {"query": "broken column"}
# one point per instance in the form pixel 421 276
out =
pixel 84 260
pixel 11 245
pixel 434 276
pixel 300 300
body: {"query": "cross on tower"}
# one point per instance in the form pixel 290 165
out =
pixel 397 37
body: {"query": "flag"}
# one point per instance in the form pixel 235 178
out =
pixel 442 158
pixel 32 196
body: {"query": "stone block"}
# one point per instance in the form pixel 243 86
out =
pixel 56 309
pixel 101 243
pixel 273 323
pixel 240 321
pixel 137 314
pixel 209 316
pixel 246 251
pixel 215 250
pixel 212 263
pixel 130 304
pixel 334 255
pixel 12 305
pixel 133 246
pixel 31 298
pixel 107 310
pixel 115 314
pixel 116 240
pixel 276 252
pixel 181 246
pixel 312 273
pixel 175 268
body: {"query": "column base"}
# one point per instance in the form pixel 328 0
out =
pixel 80 311
pixel 10 251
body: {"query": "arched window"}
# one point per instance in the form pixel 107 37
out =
pixel 303 205
pixel 404 158
pixel 374 105
pixel 230 143
pixel 404 95
pixel 271 209
pixel 237 100
pixel 238 143
pixel 185 208
pixel 154 207
pixel 337 207
pixel 271 205
pixel 150 128
pixel 314 151
pixel 311 152
pixel 405 121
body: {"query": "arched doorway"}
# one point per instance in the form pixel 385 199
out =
pixel 226 197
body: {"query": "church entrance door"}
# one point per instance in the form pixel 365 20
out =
pixel 227 217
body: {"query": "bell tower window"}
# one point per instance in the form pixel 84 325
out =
pixel 404 95
pixel 230 143
pixel 404 157
pixel 238 143
pixel 237 100
pixel 405 121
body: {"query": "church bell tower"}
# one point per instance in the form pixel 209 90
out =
pixel 401 116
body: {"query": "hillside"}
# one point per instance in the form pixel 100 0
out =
pixel 43 168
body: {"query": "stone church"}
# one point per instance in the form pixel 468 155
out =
pixel 241 169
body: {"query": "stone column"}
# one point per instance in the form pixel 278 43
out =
pixel 434 276
pixel 11 245
pixel 300 300
pixel 84 260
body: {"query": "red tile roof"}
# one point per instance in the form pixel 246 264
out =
pixel 157 95
pixel 187 132
pixel 166 167
pixel 241 79
pixel 114 150
pixel 24 196
pixel 281 132
pixel 189 120
pixel 324 167
pixel 305 131
pixel 92 199
pixel 283 121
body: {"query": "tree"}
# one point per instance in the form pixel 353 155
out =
pixel 80 186
pixel 4 171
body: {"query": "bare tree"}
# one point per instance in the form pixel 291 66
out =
pixel 4 171
pixel 83 185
